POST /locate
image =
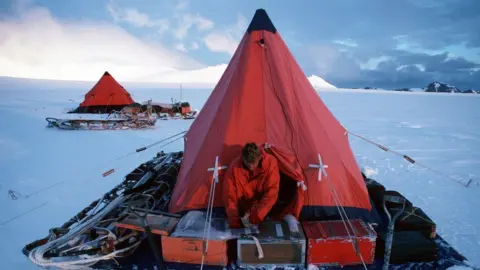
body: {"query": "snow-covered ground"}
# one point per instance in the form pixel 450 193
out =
pixel 441 131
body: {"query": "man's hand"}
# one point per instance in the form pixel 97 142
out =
pixel 292 223
pixel 246 220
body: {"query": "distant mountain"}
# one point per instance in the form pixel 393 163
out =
pixel 439 87
pixel 320 83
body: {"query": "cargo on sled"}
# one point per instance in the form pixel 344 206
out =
pixel 107 96
pixel 101 124
pixel 170 211
pixel 132 226
pixel 125 119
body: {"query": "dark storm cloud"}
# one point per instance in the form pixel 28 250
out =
pixel 433 63
pixel 414 38
pixel 431 27
pixel 400 69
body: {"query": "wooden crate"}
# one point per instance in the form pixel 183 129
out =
pixel 280 246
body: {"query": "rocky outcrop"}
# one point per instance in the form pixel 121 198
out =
pixel 439 87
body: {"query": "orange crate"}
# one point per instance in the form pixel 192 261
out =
pixel 329 243
pixel 190 250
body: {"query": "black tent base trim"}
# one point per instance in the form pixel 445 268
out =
pixel 178 110
pixel 150 185
pixel 103 109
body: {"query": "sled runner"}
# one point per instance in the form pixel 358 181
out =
pixel 100 124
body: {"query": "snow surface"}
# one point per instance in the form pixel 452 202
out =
pixel 33 157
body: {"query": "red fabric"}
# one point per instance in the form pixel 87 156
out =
pixel 254 192
pixel 289 165
pixel 329 242
pixel 107 91
pixel 263 96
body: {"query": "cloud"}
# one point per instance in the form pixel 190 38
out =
pixel 181 47
pixel 347 42
pixel 181 5
pixel 36 45
pixel 217 42
pixel 194 46
pixel 136 18
pixel 373 63
pixel 423 26
pixel 388 68
pixel 187 21
pixel 227 39
pixel 330 62
pixel 180 22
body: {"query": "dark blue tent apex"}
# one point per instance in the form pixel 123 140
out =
pixel 261 21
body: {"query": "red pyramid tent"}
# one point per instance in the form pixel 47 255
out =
pixel 106 95
pixel 264 96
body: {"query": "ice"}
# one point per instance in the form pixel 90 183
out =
pixel 33 157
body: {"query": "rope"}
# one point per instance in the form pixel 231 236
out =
pixel 110 171
pixel 259 247
pixel 153 144
pixel 344 216
pixel 109 100
pixel 412 213
pixel 36 255
pixel 411 160
pixel 43 189
pixel 24 213
pixel 94 219
pixel 207 223
pixel 208 219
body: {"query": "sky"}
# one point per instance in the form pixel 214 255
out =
pixel 349 43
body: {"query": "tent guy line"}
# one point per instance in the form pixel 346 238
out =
pixel 18 195
pixel 22 214
pixel 141 149
pixel 411 160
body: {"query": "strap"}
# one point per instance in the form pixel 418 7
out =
pixel 302 184
pixel 259 247
pixel 412 213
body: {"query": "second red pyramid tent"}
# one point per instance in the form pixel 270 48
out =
pixel 106 95
pixel 264 96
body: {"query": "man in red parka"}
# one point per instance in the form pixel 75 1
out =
pixel 251 185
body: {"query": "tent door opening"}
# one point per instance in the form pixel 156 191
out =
pixel 286 195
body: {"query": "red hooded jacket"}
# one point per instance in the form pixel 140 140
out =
pixel 254 192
